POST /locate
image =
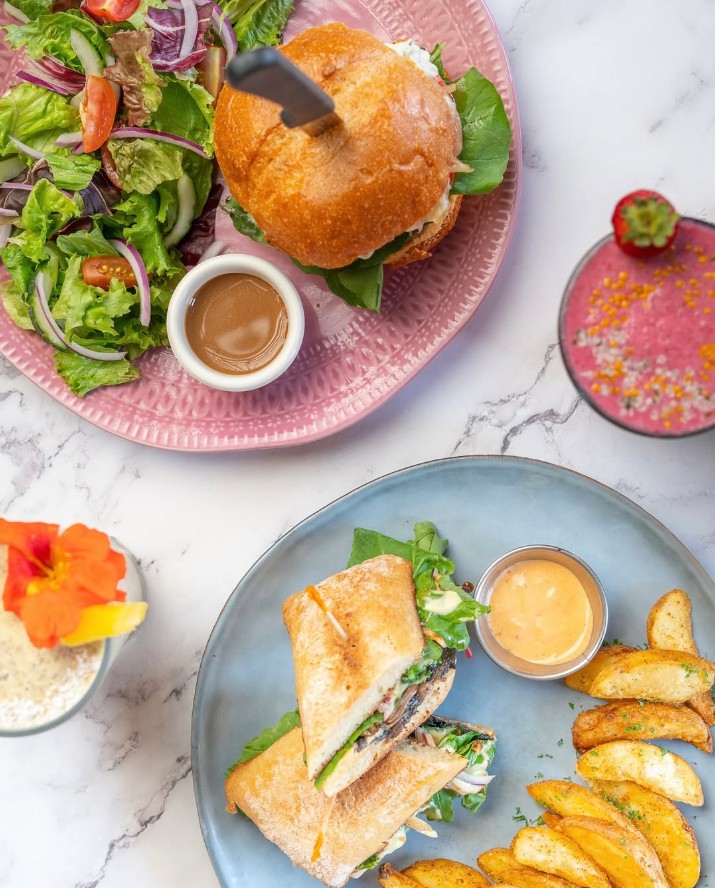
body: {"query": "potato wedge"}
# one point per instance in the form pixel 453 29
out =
pixel 644 763
pixel 572 800
pixel 627 858
pixel 502 867
pixel 662 676
pixel 442 873
pixel 392 878
pixel 583 678
pixel 550 819
pixel 662 824
pixel 670 627
pixel 554 852
pixel 639 720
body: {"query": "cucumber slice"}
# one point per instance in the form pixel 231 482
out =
pixel 41 323
pixel 89 58
pixel 10 167
pixel 187 208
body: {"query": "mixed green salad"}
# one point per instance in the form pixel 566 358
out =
pixel 108 186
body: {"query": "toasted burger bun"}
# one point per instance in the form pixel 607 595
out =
pixel 329 199
pixel 421 245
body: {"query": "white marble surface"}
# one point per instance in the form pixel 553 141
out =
pixel 613 96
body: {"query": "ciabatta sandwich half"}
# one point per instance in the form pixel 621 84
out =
pixel 336 838
pixel 366 674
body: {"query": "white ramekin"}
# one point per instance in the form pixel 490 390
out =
pixel 234 263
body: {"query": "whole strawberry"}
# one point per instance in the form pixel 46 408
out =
pixel 644 223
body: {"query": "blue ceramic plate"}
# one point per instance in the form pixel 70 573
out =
pixel 485 505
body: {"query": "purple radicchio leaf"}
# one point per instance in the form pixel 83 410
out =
pixel 15 198
pixel 203 231
pixel 99 196
pixel 168 27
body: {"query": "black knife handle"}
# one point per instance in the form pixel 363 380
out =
pixel 265 72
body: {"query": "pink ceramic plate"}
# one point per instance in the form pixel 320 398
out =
pixel 352 361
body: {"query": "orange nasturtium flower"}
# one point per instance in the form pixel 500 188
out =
pixel 53 577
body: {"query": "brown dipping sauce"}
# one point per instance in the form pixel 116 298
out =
pixel 236 323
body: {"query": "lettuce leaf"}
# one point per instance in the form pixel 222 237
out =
pixel 486 130
pixel 257 22
pixel 75 172
pixel 266 739
pixel 132 70
pixel 47 211
pixel 478 748
pixel 36 117
pixel 16 307
pixel 143 164
pixel 186 110
pixel 360 283
pixel 431 572
pixel 135 219
pixel 371 720
pixel 33 8
pixel 50 35
pixel 82 375
pixel 85 243
pixel 243 222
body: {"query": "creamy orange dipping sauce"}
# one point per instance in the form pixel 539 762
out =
pixel 540 612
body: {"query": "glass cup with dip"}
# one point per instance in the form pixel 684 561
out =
pixel 42 687
pixel 548 612
pixel 235 322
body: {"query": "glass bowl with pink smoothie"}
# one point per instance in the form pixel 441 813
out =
pixel 638 335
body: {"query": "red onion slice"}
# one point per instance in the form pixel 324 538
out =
pixel 131 254
pixel 22 186
pixel 56 69
pixel 31 152
pixel 477 781
pixel 224 30
pixel 191 27
pixel 138 132
pixel 69 140
pixel 59 333
pixel 216 248
pixel 45 82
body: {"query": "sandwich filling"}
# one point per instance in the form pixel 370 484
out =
pixel 444 609
pixel 477 747
pixel 396 707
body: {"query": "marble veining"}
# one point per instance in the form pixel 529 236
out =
pixel 612 96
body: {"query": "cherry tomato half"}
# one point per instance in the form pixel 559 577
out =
pixel 112 10
pixel 97 112
pixel 99 271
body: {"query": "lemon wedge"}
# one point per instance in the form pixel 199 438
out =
pixel 106 620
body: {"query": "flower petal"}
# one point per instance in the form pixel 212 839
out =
pixel 33 539
pixel 48 616
pixel 80 543
pixel 20 572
